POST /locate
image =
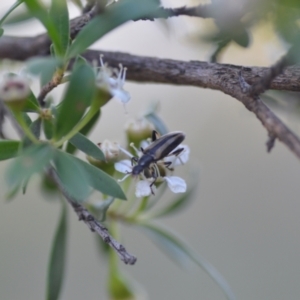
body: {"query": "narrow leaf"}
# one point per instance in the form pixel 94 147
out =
pixel 26 119
pixel 114 16
pixel 157 122
pixel 39 11
pixel 18 16
pixel 180 253
pixel 100 208
pixel 76 100
pixel 57 262
pixel 85 130
pixel 102 182
pixel 59 16
pixel 9 11
pixel 48 128
pixel 85 145
pixel 34 159
pixel 32 104
pixel 35 128
pixel 9 149
pixel 72 175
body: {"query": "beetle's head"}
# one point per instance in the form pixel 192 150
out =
pixel 136 170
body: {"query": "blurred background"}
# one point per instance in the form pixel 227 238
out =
pixel 244 218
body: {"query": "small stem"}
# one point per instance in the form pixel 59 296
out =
pixel 26 129
pixel 92 111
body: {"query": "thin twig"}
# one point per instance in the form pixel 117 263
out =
pixel 93 224
pixel 55 81
pixel 270 142
pixel 221 77
pixel 199 11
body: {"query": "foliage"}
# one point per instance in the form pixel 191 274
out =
pixel 57 131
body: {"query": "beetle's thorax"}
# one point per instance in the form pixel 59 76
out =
pixel 143 163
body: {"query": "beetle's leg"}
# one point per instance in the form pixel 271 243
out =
pixel 175 153
pixel 134 159
pixel 155 175
pixel 168 164
pixel 155 135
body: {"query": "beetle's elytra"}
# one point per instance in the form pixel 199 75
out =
pixel 159 148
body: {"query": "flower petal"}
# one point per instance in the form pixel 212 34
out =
pixel 123 166
pixel 176 184
pixel 142 189
pixel 121 95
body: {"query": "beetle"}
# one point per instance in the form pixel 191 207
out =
pixel 160 148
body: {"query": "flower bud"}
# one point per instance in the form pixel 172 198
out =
pixel 111 153
pixel 14 91
pixel 109 84
pixel 138 130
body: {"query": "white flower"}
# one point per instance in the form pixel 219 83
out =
pixel 109 2
pixel 123 166
pixel 143 189
pixel 176 184
pixel 14 88
pixel 111 150
pixel 112 80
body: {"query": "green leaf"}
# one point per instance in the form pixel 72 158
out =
pixel 158 123
pixel 180 253
pixel 85 145
pixel 8 12
pixel 85 130
pixel 102 182
pixel 57 262
pixel 32 104
pixel 1 31
pixel 12 193
pixel 9 149
pixel 33 160
pixel 59 16
pixel 72 175
pixel 99 210
pixel 119 287
pixel 18 16
pixel 114 16
pixel 220 47
pixel 26 119
pixel 45 67
pixel 76 100
pixel 48 128
pixel 242 37
pixel 39 11
pixel 35 128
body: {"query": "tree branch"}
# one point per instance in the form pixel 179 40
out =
pixel 200 11
pixel 221 77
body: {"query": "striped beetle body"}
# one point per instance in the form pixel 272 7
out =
pixel 157 150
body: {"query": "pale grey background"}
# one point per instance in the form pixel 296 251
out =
pixel 244 220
